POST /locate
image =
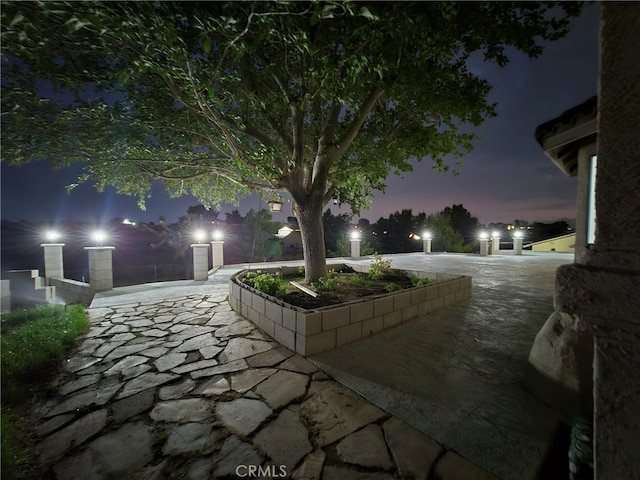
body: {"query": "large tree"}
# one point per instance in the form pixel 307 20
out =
pixel 317 100
pixel 463 222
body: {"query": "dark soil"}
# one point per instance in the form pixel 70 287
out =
pixel 351 286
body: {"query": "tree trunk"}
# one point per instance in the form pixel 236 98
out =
pixel 309 217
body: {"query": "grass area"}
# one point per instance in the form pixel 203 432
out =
pixel 33 344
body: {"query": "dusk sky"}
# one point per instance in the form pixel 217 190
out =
pixel 506 176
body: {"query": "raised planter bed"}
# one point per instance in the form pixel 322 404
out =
pixel 309 332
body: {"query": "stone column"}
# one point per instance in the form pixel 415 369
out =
pixel 495 244
pixel 217 251
pixel 426 245
pixel 200 261
pixel 517 245
pixel 484 247
pixel 53 264
pixel 100 268
pixel 602 291
pixel 355 248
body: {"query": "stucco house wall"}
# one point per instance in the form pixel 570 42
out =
pixel 563 244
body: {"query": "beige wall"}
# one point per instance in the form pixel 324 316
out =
pixel 564 244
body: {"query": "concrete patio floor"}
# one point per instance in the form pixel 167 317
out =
pixel 457 374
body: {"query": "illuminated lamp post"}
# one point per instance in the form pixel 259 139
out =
pixel 517 242
pixel 355 244
pixel 200 256
pixel 217 248
pixel 284 232
pixel 484 243
pixel 53 264
pixel 495 242
pixel 275 206
pixel 426 241
pixel 100 263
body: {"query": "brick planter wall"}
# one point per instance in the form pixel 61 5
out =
pixel 309 332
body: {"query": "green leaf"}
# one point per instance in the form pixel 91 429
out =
pixel 16 19
pixel 364 12
pixel 206 45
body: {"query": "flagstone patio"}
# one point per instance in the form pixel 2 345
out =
pixel 170 383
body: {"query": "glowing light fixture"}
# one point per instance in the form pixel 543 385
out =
pixel 427 235
pixel 52 236
pixel 517 234
pixel 217 235
pixel 354 236
pixel 274 206
pixel 495 233
pixel 284 232
pixel 483 235
pixel 99 237
pixel 199 235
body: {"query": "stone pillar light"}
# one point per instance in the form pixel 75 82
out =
pixel 517 243
pixel 100 268
pixel 495 243
pixel 484 243
pixel 53 264
pixel 355 244
pixel 426 242
pixel 200 261
pixel 217 249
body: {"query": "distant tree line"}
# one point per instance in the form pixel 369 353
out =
pixel 453 229
pixel 252 238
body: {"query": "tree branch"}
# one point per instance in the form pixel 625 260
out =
pixel 352 132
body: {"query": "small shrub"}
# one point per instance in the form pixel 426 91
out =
pixel 419 282
pixel 330 283
pixel 359 280
pixel 379 267
pixel 266 282
pixel 392 287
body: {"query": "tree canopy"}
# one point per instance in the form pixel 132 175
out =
pixel 318 100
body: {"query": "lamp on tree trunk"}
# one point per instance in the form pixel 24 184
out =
pixel 275 206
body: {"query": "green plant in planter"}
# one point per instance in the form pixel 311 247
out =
pixel 330 283
pixel 268 283
pixel 392 287
pixel 419 282
pixel 360 280
pixel 379 268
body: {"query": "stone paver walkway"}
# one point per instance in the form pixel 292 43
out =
pixel 176 385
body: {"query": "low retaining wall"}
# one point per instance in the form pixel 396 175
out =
pixel 27 288
pixel 309 332
pixel 72 291
pixel 5 294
